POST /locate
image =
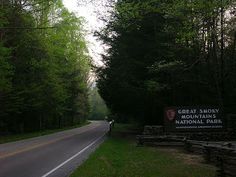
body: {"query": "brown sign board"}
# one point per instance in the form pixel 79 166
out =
pixel 193 118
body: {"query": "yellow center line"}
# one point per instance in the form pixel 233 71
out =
pixel 2 156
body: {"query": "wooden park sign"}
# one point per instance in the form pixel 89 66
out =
pixel 193 118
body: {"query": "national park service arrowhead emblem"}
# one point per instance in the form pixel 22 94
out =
pixel 170 114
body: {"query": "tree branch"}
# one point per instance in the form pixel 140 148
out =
pixel 25 28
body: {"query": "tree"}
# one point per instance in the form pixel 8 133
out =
pixel 165 54
pixel 98 109
pixel 45 64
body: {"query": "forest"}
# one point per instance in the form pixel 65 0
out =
pixel 44 66
pixel 158 54
pixel 168 53
pixel 98 109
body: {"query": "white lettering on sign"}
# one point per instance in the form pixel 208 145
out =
pixel 209 111
pixel 184 122
pixel 198 116
pixel 214 121
pixel 187 111
pixel 195 117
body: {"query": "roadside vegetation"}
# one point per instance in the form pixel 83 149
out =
pixel 22 136
pixel 98 108
pixel 168 53
pixel 44 67
pixel 119 156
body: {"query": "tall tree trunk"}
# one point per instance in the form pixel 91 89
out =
pixel 222 62
pixel 216 62
pixel 234 47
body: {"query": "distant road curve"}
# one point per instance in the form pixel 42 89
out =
pixel 55 155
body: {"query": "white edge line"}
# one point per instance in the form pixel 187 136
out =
pixel 71 158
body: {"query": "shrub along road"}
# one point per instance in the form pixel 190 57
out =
pixel 51 155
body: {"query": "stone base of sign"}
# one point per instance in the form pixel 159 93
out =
pixel 161 140
pixel 208 136
pixel 153 130
pixel 157 134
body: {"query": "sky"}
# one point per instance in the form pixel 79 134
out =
pixel 92 23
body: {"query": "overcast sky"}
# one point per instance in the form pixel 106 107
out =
pixel 92 23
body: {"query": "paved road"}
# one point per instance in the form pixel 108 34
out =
pixel 55 155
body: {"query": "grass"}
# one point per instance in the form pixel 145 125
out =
pixel 119 157
pixel 12 138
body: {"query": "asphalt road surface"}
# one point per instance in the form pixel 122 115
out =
pixel 55 155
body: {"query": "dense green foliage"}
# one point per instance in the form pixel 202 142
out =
pixel 169 53
pixel 44 66
pixel 98 108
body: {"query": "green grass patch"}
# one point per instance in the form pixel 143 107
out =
pixel 12 138
pixel 119 157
